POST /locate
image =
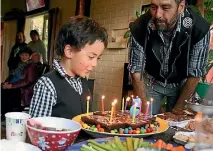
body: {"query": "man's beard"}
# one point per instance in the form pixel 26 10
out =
pixel 160 24
pixel 163 25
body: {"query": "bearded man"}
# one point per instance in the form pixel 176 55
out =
pixel 169 47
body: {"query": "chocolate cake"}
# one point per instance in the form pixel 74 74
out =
pixel 177 116
pixel 121 120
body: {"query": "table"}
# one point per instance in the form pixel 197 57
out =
pixel 166 136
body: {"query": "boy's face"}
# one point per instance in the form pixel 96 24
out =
pixel 24 57
pixel 83 61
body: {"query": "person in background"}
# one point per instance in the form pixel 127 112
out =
pixel 38 45
pixel 18 90
pixel 35 57
pixel 63 91
pixel 169 48
pixel 14 58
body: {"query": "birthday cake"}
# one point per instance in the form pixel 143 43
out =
pixel 120 120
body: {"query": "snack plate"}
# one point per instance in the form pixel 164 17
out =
pixel 163 127
pixel 182 142
pixel 76 147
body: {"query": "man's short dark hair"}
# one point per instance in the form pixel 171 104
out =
pixel 78 32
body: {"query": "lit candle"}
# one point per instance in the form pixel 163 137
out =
pixel 147 109
pixel 132 96
pixel 113 103
pixel 140 106
pixel 122 105
pixel 134 113
pixel 151 107
pixel 127 100
pixel 88 99
pixel 102 103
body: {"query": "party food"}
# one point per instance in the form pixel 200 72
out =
pixel 121 123
pixel 130 144
pixel 177 116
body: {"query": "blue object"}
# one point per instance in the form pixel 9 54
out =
pixel 16 78
pixel 126 131
pixel 132 110
pixel 76 147
pixel 130 128
pixel 138 101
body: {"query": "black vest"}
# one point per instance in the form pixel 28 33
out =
pixel 69 102
pixel 183 42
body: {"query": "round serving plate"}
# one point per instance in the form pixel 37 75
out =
pixel 162 128
pixel 207 110
pixel 77 147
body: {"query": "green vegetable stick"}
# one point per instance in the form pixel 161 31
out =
pixel 119 144
pixel 99 145
pixel 96 147
pixel 125 144
pixel 136 142
pixel 87 147
pixel 83 149
pixel 129 144
pixel 141 141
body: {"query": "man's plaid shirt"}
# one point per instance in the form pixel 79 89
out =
pixel 198 55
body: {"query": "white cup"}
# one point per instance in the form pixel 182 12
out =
pixel 16 125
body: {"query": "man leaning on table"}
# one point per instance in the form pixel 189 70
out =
pixel 169 48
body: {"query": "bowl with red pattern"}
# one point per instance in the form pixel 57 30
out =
pixel 52 133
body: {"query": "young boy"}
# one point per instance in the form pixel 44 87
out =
pixel 63 91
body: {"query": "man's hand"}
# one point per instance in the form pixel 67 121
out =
pixel 179 106
pixel 139 89
pixel 186 92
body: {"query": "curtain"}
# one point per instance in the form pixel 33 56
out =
pixel 53 29
pixel 10 29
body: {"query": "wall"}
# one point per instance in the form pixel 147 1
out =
pixel 108 75
pixel 67 8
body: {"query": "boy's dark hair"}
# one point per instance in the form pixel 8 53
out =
pixel 25 49
pixel 78 32
pixel 178 1
pixel 34 32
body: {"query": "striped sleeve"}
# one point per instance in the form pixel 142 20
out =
pixel 137 58
pixel 198 57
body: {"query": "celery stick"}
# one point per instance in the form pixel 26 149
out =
pixel 99 145
pixel 96 147
pixel 84 149
pixel 136 142
pixel 129 144
pixel 87 147
pixel 125 145
pixel 119 144
pixel 141 142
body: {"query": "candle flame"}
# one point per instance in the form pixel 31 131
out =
pixel 151 99
pixel 103 97
pixel 88 98
pixel 132 96
pixel 115 101
pixel 148 102
pixel 128 98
